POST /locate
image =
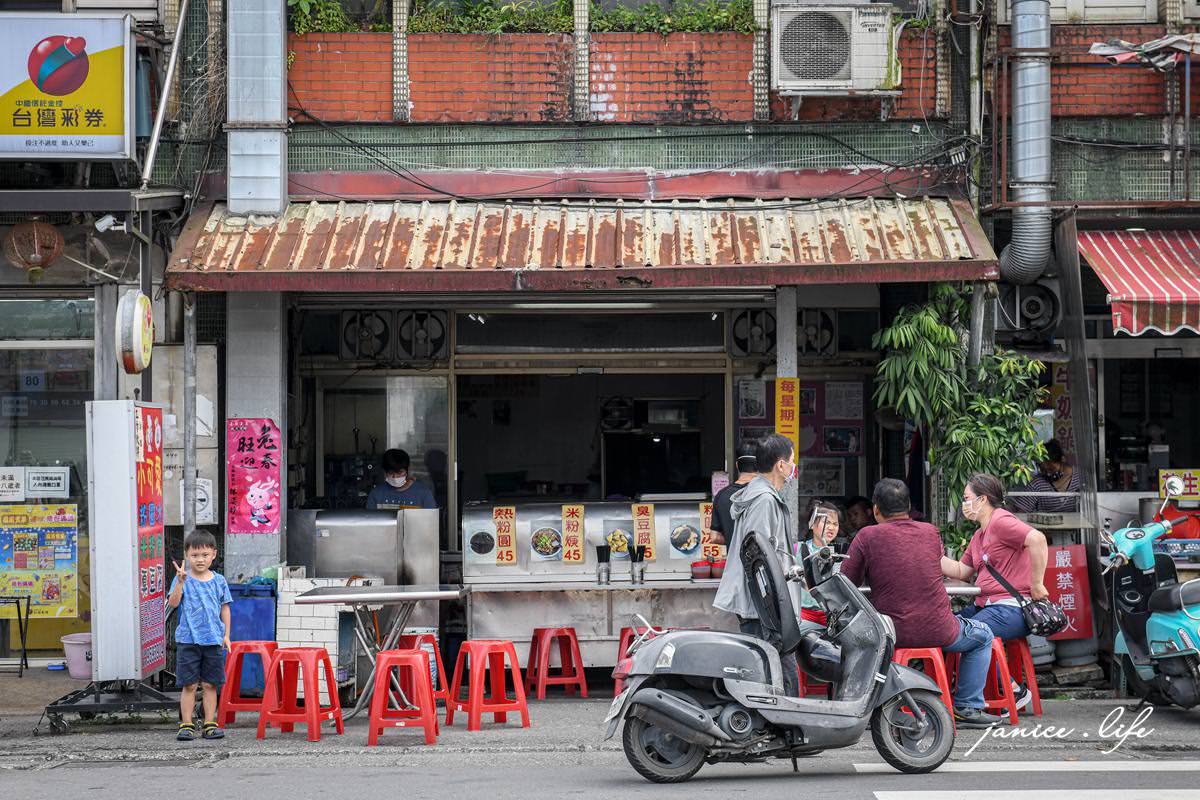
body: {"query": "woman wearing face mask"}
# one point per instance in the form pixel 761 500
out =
pixel 399 490
pixel 1003 543
pixel 1054 475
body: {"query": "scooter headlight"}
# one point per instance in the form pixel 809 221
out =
pixel 665 657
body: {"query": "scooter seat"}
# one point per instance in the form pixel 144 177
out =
pixel 1175 598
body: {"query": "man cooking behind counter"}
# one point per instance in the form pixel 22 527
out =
pixel 399 489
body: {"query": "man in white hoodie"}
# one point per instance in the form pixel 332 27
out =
pixel 759 508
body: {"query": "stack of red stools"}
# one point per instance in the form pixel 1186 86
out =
pixel 280 704
pixel 537 668
pixel 414 668
pixel 232 699
pixel 415 642
pixel 486 657
pixel 1020 666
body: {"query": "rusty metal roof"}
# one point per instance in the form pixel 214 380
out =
pixel 489 246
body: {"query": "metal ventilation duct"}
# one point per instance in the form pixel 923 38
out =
pixel 257 127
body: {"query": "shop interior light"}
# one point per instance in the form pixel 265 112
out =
pixel 479 318
pixel 715 315
pixel 657 440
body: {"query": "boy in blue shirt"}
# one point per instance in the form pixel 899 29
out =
pixel 399 489
pixel 202 636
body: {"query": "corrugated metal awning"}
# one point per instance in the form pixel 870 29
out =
pixel 1153 277
pixel 562 246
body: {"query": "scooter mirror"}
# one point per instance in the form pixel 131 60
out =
pixel 1173 486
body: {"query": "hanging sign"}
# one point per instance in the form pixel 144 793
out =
pixel 709 548
pixel 135 332
pixel 252 460
pixel 505 520
pixel 65 86
pixel 573 534
pixel 643 528
pixel 787 410
pixel 151 548
pixel 1067 583
pixel 39 559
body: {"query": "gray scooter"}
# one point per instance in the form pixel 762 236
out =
pixel 697 697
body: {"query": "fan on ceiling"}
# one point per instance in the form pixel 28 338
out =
pixel 421 335
pixel 752 332
pixel 366 335
pixel 816 335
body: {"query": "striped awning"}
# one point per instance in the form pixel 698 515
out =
pixel 1153 277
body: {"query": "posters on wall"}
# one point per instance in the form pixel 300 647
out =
pixel 752 400
pixel 48 483
pixel 39 559
pixel 687 536
pixel 151 545
pixel 252 458
pixel 820 477
pixel 12 485
pixel 844 400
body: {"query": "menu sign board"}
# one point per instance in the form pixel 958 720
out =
pixel 150 544
pixel 708 548
pixel 505 520
pixel 643 528
pixel 572 534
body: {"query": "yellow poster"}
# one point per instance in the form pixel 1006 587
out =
pixel 572 533
pixel 643 528
pixel 709 548
pixel 64 86
pixel 39 559
pixel 787 410
pixel 505 519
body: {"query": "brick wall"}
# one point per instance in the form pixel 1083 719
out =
pixel 1083 85
pixel 478 78
pixel 308 626
pixel 683 77
pixel 342 77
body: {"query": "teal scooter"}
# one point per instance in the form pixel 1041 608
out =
pixel 1158 618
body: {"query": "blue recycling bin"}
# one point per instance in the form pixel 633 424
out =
pixel 252 618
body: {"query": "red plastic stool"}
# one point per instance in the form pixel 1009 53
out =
pixel 537 668
pixel 998 692
pixel 809 685
pixel 935 667
pixel 280 705
pixel 414 642
pixel 486 655
pixel 1020 665
pixel 414 668
pixel 232 699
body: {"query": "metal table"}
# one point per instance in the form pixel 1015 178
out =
pixel 362 599
pixel 954 588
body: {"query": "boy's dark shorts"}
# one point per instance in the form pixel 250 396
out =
pixel 199 662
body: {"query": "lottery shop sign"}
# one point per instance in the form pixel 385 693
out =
pixel 66 86
pixel 1067 584
pixel 151 551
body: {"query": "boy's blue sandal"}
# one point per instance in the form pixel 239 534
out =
pixel 211 731
pixel 187 732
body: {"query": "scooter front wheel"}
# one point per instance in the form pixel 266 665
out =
pixel 658 756
pixel 901 740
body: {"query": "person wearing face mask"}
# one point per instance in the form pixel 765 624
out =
pixel 1054 475
pixel 722 518
pixel 759 508
pixel 399 489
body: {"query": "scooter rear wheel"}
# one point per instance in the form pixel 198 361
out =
pixel 658 756
pixel 904 749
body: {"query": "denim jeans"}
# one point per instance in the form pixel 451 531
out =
pixel 974 643
pixel 788 663
pixel 1005 621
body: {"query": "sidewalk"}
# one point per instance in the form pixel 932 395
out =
pixel 1069 730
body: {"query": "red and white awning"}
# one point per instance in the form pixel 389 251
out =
pixel 1153 277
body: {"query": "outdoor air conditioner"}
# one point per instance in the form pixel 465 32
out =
pixel 1029 312
pixel 830 49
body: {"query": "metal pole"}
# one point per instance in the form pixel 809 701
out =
pixel 145 222
pixel 189 415
pixel 787 366
pixel 975 345
pixel 161 114
pixel 105 360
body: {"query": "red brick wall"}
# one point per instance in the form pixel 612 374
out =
pixel 918 87
pixel 1083 85
pixel 342 77
pixel 519 77
pixel 682 77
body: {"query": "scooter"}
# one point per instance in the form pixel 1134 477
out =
pixel 1157 617
pixel 704 697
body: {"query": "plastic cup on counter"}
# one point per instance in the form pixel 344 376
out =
pixel 701 570
pixel 718 568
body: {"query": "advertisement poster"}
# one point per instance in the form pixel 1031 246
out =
pixel 709 548
pixel 643 528
pixel 752 400
pixel 787 410
pixel 252 458
pixel 1067 582
pixel 844 400
pixel 39 559
pixel 843 440
pixel 64 86
pixel 1190 478
pixel 687 537
pixel 151 548
pixel 1060 397
pixel 820 477
pixel 573 534
pixel 505 520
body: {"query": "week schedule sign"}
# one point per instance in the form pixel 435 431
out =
pixel 65 86
pixel 39 559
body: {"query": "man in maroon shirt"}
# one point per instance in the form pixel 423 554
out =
pixel 901 560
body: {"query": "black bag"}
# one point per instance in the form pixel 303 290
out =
pixel 1042 617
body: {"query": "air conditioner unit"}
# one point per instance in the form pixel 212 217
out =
pixel 831 49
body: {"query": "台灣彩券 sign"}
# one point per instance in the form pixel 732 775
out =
pixel 39 559
pixel 65 86
pixel 252 458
